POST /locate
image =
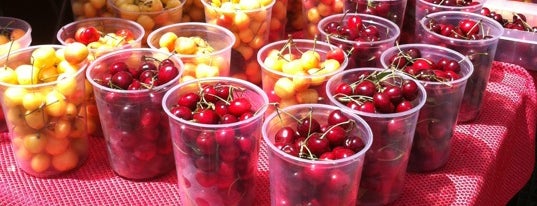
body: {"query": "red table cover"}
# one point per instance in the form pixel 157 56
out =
pixel 492 158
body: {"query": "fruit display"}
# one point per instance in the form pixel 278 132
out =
pixel 151 14
pixel 249 20
pixel 193 11
pixel 316 154
pixel 278 21
pixel 295 71
pixel 472 35
pixel 443 73
pixel 43 98
pixel 389 102
pixel 316 10
pixel 393 10
pixel 296 21
pixel 129 86
pixel 215 124
pixel 363 37
pixel 204 48
pixel 518 21
pixel 83 9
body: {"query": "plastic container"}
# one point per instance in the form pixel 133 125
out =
pixel 506 8
pixel 393 10
pixel 211 60
pixel 480 52
pixel 217 163
pixel 278 21
pixel 45 116
pixel 83 9
pixel 385 165
pixel 438 117
pixel 108 27
pixel 518 47
pixel 251 26
pixel 134 124
pixel 297 181
pixel 362 53
pixel 313 11
pixel 193 11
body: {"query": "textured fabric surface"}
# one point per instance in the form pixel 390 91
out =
pixel 492 158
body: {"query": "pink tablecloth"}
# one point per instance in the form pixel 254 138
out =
pixel 491 160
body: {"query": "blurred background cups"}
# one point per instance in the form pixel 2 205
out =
pixel 385 165
pixel 83 9
pixel 438 117
pixel 480 49
pixel 193 11
pixel 297 175
pixel 393 10
pixel 295 71
pixel 250 22
pixel 216 158
pixel 313 11
pixel 42 93
pixel 134 124
pixel 16 34
pixel 204 48
pixel 363 51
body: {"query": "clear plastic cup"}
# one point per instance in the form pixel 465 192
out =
pixel 45 114
pixel 362 53
pixel 109 28
pixel 210 58
pixel 296 22
pixel 83 9
pixel 193 11
pixel 385 165
pixel 438 117
pixel 151 15
pixel 134 124
pixel 250 23
pixel 313 11
pixel 299 181
pixel 217 163
pixel 23 39
pixel 393 10
pixel 518 47
pixel 290 87
pixel 278 21
pixel 480 52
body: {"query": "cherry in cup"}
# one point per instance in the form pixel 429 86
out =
pixel 129 86
pixel 389 102
pixel 363 37
pixel 474 36
pixel 393 10
pixel 215 125
pixel 443 73
pixel 315 154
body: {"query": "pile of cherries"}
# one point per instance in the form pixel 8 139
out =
pixel 90 34
pixel 353 29
pixel 467 29
pixel 313 141
pixel 150 73
pixel 377 92
pixel 411 62
pixel 518 21
pixel 457 3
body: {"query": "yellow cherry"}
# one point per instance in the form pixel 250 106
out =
pixel 284 88
pixel 65 161
pixel 43 57
pixel 13 96
pixel 8 75
pixel 27 74
pixel 307 96
pixel 76 52
pixel 33 100
pixel 36 119
pixel 40 162
pixel 35 142
pixel 167 40
pixel 55 104
pixel 310 59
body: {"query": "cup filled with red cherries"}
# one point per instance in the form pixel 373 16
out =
pixel 363 37
pixel 393 10
pixel 443 73
pixel 389 101
pixel 474 36
pixel 315 154
pixel 215 125
pixel 129 85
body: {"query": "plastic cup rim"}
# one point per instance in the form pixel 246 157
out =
pixel 206 5
pixel 481 4
pixel 115 7
pixel 27 30
pixel 102 19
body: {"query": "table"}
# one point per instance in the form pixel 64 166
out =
pixel 492 158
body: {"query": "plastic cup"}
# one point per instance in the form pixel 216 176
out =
pixel 203 62
pixel 83 9
pixel 480 52
pixel 296 22
pixel 393 10
pixel 109 41
pixel 306 86
pixel 6 45
pixel 362 53
pixel 134 124
pixel 46 117
pixel 152 16
pixel 278 21
pixel 518 47
pixel 313 11
pixel 298 181
pixel 438 117
pixel 251 27
pixel 386 161
pixel 213 168
pixel 193 11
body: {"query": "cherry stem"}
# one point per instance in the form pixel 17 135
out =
pixel 336 125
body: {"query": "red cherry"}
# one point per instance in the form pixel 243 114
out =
pixel 366 88
pixel 206 116
pixel 228 119
pixel 189 100
pixel 239 106
pixel 336 135
pixel 166 73
pixel 284 135
pixel 117 67
pixel 382 103
pixel 121 79
pixel 308 126
pixel 468 27
pixel 181 112
pixel 317 145
pixel 354 143
pixel 343 88
pixel 409 90
pixel 337 117
pixel 342 152
pixel 337 54
pixel 355 23
pixel 126 33
pixel 206 143
pixel 404 105
pixel 224 136
pixel 87 35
